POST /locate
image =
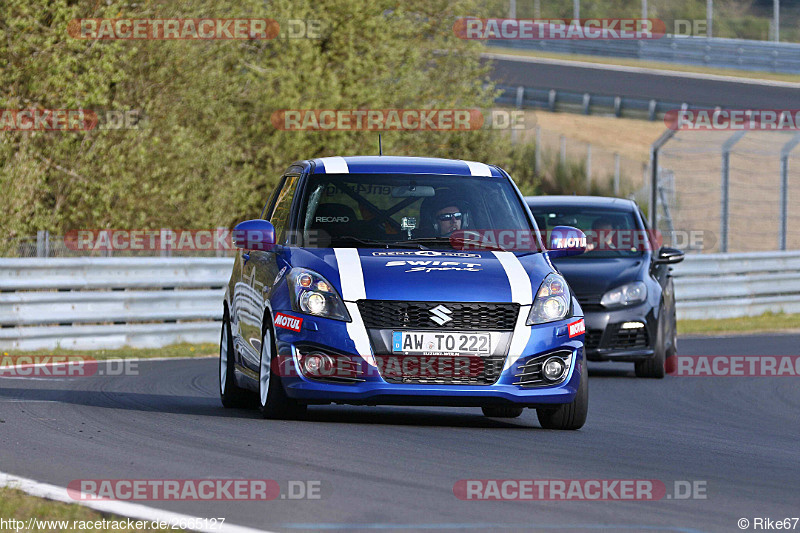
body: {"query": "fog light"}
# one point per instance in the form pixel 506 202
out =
pixel 553 369
pixel 312 364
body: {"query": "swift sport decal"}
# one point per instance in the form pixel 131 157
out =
pixel 288 322
pixel 577 328
pixel 431 266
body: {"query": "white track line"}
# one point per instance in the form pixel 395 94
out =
pixel 641 70
pixel 126 509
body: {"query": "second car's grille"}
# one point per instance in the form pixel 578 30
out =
pixel 590 302
pixel 592 338
pixel 388 314
pixel 626 339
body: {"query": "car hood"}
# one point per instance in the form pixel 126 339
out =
pixel 427 275
pixel 593 277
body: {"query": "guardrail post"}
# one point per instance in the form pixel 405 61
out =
pixel 551 99
pixel 785 151
pixel 538 154
pixel 616 173
pixel 654 148
pixel 587 100
pixel 724 210
pixel 617 106
pixel 520 96
pixel 651 110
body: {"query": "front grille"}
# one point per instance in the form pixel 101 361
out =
pixel 590 302
pixel 627 339
pixel 530 373
pixel 387 314
pixel 592 339
pixel 440 370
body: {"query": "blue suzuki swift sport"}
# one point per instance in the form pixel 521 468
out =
pixel 402 281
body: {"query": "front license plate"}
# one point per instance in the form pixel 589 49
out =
pixel 434 343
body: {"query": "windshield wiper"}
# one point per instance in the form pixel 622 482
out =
pixel 380 244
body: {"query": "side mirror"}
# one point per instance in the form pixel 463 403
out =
pixel 565 241
pixel 668 256
pixel 254 235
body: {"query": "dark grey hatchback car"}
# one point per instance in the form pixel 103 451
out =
pixel 622 282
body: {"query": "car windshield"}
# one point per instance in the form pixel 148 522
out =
pixel 609 232
pixel 417 211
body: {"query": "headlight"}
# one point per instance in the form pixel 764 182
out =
pixel 552 301
pixel 632 293
pixel 313 295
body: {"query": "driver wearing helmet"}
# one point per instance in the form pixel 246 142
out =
pixel 445 214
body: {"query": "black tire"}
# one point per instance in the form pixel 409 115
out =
pixel 272 399
pixel 230 394
pixel 503 411
pixel 655 366
pixel 569 415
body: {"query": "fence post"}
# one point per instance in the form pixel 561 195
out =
pixel 724 210
pixel 654 148
pixel 616 173
pixel 589 168
pixel 563 150
pixel 42 243
pixel 538 157
pixel 785 151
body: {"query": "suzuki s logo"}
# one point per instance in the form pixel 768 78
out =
pixel 441 315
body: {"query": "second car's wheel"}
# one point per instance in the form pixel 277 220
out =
pixel 569 415
pixel 503 411
pixel 272 399
pixel 230 393
pixel 654 367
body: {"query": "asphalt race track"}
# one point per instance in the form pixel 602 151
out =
pixel 640 83
pixel 395 468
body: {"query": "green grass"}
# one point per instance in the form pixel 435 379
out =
pixel 174 350
pixel 20 506
pixel 751 324
pixel 748 74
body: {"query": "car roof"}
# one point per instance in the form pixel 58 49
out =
pixel 402 165
pixel 622 204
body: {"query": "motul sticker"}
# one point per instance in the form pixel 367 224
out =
pixel 289 322
pixel 577 328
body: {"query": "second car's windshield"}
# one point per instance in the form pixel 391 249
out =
pixel 408 210
pixel 609 232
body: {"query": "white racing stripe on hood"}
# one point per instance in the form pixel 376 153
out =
pixel 521 293
pixel 353 289
pixel 479 169
pixel 335 165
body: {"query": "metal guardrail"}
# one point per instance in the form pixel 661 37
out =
pixel 523 97
pixel 93 303
pixel 734 285
pixel 741 54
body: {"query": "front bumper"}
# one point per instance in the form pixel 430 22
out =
pixel 607 339
pixel 372 389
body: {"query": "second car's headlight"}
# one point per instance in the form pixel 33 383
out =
pixel 552 301
pixel 314 295
pixel 632 293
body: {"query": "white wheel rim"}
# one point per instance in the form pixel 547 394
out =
pixel 223 359
pixel 266 359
